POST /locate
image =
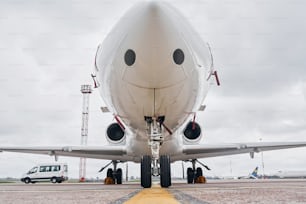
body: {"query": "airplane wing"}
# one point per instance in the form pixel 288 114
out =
pixel 188 151
pixel 215 150
pixel 102 152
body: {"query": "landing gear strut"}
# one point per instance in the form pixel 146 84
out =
pixel 113 175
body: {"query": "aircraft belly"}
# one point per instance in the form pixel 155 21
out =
pixel 134 103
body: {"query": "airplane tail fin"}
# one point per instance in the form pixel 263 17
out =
pixel 254 174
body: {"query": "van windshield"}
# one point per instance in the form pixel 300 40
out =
pixel 33 170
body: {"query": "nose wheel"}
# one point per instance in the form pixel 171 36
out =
pixel 165 171
pixel 146 171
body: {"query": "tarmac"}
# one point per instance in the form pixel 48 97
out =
pixel 215 191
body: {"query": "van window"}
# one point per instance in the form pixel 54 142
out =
pixel 48 168
pixel 56 168
pixel 42 169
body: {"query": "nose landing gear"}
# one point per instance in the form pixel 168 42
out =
pixel 155 165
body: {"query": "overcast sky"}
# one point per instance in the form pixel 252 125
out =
pixel 47 51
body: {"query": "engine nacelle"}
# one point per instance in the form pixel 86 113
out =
pixel 115 134
pixel 192 133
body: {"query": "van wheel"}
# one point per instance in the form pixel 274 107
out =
pixel 53 180
pixel 27 180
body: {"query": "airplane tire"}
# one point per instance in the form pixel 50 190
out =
pixel 119 176
pixel 190 175
pixel 109 173
pixel 165 171
pixel 199 172
pixel 145 168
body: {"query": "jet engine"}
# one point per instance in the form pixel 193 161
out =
pixel 192 133
pixel 115 134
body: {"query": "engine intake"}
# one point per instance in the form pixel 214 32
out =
pixel 115 134
pixel 192 132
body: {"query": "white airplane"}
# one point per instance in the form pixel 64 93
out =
pixel 253 175
pixel 153 72
pixel 291 174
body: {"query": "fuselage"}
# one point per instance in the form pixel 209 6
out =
pixel 153 64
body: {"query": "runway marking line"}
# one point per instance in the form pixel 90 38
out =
pixel 153 195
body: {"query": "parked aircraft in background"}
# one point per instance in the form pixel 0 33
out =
pixel 253 175
pixel 153 72
pixel 291 174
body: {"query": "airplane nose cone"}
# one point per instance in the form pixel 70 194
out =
pixel 153 54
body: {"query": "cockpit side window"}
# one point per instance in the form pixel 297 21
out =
pixel 178 56
pixel 130 57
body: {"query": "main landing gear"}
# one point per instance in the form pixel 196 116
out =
pixel 195 175
pixel 113 176
pixel 155 165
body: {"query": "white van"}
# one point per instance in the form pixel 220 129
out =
pixel 56 172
